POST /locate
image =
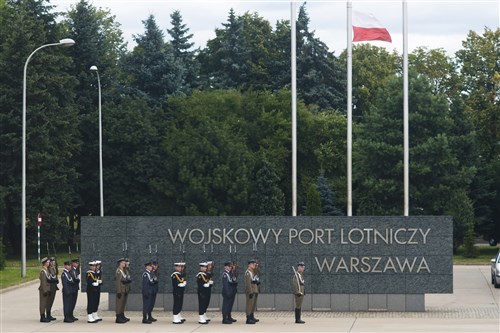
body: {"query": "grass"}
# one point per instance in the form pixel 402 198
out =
pixel 11 275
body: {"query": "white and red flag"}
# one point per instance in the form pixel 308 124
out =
pixel 366 27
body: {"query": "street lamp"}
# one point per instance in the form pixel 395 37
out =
pixel 62 42
pixel 94 69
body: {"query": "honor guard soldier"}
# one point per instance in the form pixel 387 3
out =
pixel 148 286
pixel 178 287
pixel 68 288
pixel 204 290
pixel 92 293
pixel 98 270
pixel 44 290
pixel 229 289
pixel 155 273
pixel 252 289
pixel 298 290
pixel 54 281
pixel 75 273
pixel 122 283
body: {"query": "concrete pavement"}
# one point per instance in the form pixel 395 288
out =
pixel 473 307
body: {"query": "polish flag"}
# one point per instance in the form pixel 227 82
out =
pixel 366 27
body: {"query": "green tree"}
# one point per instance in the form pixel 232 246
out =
pixel 266 197
pixel 313 202
pixel 328 201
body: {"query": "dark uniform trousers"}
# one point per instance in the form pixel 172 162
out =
pixel 75 272
pixel 203 292
pixel 178 292
pixel 229 289
pixel 148 285
pixel 44 291
pixel 92 292
pixel 67 293
pixel 53 280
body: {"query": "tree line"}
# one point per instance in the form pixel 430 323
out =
pixel 207 131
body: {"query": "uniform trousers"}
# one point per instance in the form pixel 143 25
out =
pixel 251 304
pixel 178 301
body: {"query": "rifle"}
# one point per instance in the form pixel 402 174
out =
pixel 183 250
pixel 297 277
pixel 55 255
pixel 48 250
pixel 234 260
pixel 256 258
pixel 156 255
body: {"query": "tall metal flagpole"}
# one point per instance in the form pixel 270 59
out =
pixel 349 108
pixel 294 107
pixel 406 144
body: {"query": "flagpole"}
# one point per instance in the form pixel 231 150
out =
pixel 294 106
pixel 349 108
pixel 406 143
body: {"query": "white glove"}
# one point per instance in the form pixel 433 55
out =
pixel 95 284
pixel 100 281
pixel 182 284
pixel 206 285
pixel 211 282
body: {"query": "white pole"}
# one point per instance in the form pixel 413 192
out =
pixel 349 108
pixel 294 107
pixel 38 238
pixel 406 144
pixel 67 42
pixel 101 189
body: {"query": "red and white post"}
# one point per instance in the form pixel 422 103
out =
pixel 38 236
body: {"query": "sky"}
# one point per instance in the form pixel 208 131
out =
pixel 433 24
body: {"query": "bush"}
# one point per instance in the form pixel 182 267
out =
pixel 2 255
pixel 470 250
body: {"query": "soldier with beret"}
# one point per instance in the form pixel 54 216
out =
pixel 44 290
pixel 93 290
pixel 229 289
pixel 204 291
pixel 122 283
pixel 75 273
pixel 178 286
pixel 148 286
pixel 68 288
pixel 298 291
pixel 53 281
pixel 252 290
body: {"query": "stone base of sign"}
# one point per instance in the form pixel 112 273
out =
pixel 285 302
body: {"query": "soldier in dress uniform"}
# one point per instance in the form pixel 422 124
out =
pixel 298 291
pixel 155 273
pixel 178 286
pixel 252 290
pixel 92 293
pixel 122 283
pixel 204 291
pixel 98 270
pixel 229 289
pixel 75 273
pixel 68 288
pixel 148 286
pixel 54 281
pixel 44 290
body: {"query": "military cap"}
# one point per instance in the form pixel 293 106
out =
pixel 147 263
pixel 227 263
pixel 251 261
pixel 301 263
pixel 44 260
pixel 92 263
pixel 179 264
pixel 203 264
pixel 97 262
pixel 52 259
pixel 154 263
pixel 75 260
pixel 67 263
pixel 120 260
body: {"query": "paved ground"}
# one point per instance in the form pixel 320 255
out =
pixel 473 307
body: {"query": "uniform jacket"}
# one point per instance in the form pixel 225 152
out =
pixel 251 282
pixel 91 278
pixel 122 281
pixel 202 279
pixel 44 280
pixel 53 279
pixel 68 283
pixel 298 284
pixel 148 283
pixel 177 278
pixel 75 272
pixel 229 284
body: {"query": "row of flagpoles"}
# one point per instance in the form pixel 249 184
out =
pixel 365 27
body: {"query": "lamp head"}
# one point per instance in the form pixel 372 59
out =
pixel 66 42
pixel 93 68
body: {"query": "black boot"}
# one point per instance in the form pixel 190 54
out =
pixel 120 319
pixel 73 317
pixel 49 317
pixel 255 319
pixel 150 318
pixel 298 312
pixel 225 319
pixel 250 320
pixel 145 320
pixel 68 319
pixel 231 318
pixel 43 319
pixel 123 316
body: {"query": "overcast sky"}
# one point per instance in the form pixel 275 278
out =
pixel 434 24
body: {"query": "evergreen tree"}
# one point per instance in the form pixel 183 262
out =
pixel 313 202
pixel 266 197
pixel 328 202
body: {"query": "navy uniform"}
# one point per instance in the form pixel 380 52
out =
pixel 54 281
pixel 298 291
pixel 75 273
pixel 93 290
pixel 68 288
pixel 99 277
pixel 44 290
pixel 122 284
pixel 229 289
pixel 252 290
pixel 178 287
pixel 155 273
pixel 204 291
pixel 148 286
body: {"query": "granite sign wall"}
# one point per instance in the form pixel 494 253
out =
pixel 343 255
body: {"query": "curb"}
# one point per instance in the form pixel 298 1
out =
pixel 25 284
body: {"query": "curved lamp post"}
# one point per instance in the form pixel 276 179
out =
pixel 62 42
pixel 94 69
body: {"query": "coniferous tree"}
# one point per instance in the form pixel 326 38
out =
pixel 313 202
pixel 328 201
pixel 266 197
